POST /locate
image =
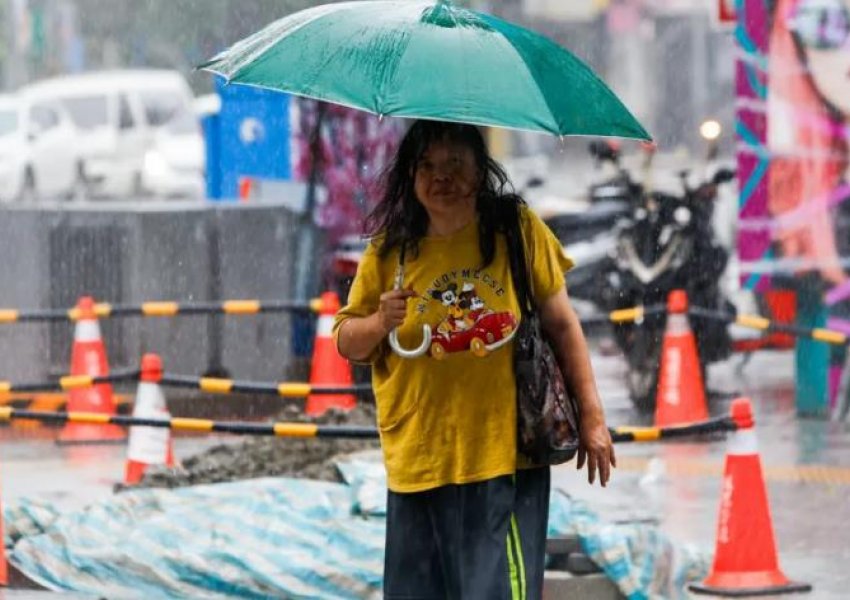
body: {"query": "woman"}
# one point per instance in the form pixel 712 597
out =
pixel 464 518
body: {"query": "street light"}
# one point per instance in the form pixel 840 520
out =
pixel 710 130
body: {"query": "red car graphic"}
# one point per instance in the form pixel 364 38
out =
pixel 490 331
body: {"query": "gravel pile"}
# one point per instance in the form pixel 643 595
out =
pixel 309 458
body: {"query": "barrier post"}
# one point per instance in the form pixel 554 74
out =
pixel 88 357
pixel 812 356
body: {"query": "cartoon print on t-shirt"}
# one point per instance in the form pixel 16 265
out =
pixel 468 323
pixel 454 313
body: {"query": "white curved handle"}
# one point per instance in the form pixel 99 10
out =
pixel 422 349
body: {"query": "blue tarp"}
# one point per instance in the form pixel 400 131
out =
pixel 280 537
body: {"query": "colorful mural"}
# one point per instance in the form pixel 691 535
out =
pixel 793 116
pixel 808 106
pixel 355 147
pixel 795 196
pixel 754 242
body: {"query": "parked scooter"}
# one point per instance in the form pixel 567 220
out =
pixel 591 235
pixel 666 243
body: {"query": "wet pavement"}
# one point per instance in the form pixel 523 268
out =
pixel 806 462
pixel 806 465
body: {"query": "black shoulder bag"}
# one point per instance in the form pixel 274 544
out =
pixel 547 413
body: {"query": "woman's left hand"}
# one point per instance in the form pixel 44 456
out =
pixel 596 449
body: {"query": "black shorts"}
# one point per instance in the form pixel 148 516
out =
pixel 483 540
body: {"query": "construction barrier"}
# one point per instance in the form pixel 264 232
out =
pixel 331 383
pixel 214 385
pixel 634 314
pixel 170 308
pixel 757 322
pixel 67 383
pixel 280 429
pixel 104 310
pixel 293 429
pixel 210 385
pixel 652 434
pixel 760 323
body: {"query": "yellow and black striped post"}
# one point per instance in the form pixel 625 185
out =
pixel 214 385
pixel 163 308
pixel 652 434
pixel 312 430
pixel 760 323
pixel 69 382
pixel 280 429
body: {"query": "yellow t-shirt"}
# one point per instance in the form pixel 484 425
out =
pixel 449 416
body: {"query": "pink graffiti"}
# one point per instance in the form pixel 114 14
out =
pixel 355 146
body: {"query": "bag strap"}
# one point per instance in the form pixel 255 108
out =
pixel 519 265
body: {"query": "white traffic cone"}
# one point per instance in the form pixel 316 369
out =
pixel 148 445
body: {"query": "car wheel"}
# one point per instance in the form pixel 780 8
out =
pixel 478 347
pixel 28 192
pixel 437 351
pixel 139 190
pixel 79 191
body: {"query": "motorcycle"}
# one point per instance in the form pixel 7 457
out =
pixel 590 235
pixel 666 242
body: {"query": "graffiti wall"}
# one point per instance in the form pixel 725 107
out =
pixel 354 147
pixel 795 202
pixel 808 117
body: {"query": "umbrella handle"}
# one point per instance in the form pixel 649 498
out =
pixel 426 331
pixel 416 352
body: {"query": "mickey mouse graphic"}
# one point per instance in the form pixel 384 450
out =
pixel 469 324
pixel 454 316
pixel 473 304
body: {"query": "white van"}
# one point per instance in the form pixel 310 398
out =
pixel 38 151
pixel 117 113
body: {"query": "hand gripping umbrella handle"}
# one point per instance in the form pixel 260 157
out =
pixel 393 338
pixel 422 349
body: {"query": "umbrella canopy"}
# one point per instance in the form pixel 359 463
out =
pixel 429 61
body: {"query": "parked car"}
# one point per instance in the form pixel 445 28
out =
pixel 118 113
pixel 174 164
pixel 489 332
pixel 38 150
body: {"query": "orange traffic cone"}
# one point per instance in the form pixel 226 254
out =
pixel 745 561
pixel 148 445
pixel 88 357
pixel 681 397
pixel 329 368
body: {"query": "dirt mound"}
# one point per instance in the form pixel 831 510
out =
pixel 273 456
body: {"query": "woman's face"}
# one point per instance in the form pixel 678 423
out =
pixel 446 178
pixel 822 27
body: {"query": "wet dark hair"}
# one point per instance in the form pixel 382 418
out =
pixel 401 220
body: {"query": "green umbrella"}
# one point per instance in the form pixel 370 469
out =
pixel 429 61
